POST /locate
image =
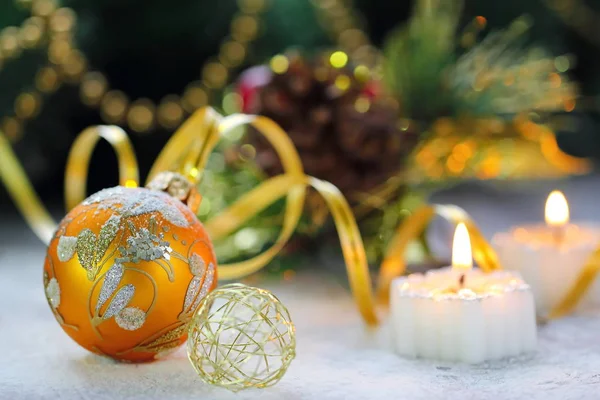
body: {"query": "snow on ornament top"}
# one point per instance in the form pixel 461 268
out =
pixel 137 201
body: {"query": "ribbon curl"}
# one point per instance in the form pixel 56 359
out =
pixel 78 162
pixel 581 286
pixel 187 152
pixel 20 189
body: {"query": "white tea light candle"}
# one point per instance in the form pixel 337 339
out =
pixel 461 314
pixel 550 257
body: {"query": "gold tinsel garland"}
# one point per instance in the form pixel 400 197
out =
pixel 187 153
pixel 54 27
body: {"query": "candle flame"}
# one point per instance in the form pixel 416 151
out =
pixel 557 209
pixel 462 258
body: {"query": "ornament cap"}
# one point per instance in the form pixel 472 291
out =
pixel 177 186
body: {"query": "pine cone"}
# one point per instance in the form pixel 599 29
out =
pixel 343 132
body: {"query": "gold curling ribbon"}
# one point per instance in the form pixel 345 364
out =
pixel 78 162
pixel 193 143
pixel 20 189
pixel 580 287
pixel 28 202
pixel 188 151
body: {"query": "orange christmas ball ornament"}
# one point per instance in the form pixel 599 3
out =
pixel 128 267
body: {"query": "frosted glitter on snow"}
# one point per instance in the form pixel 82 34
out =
pixel 138 201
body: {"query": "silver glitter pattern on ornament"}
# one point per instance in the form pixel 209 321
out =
pixel 208 280
pixel 120 301
pixel 130 202
pixel 192 291
pixel 199 287
pixel 53 293
pixel 86 251
pixel 197 265
pixel 131 318
pixel 66 248
pixel 241 337
pixel 111 281
pixel 146 246
pixel 106 236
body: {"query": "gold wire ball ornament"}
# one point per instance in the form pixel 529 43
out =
pixel 128 267
pixel 241 337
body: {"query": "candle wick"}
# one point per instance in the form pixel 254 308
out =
pixel 558 234
pixel 461 280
